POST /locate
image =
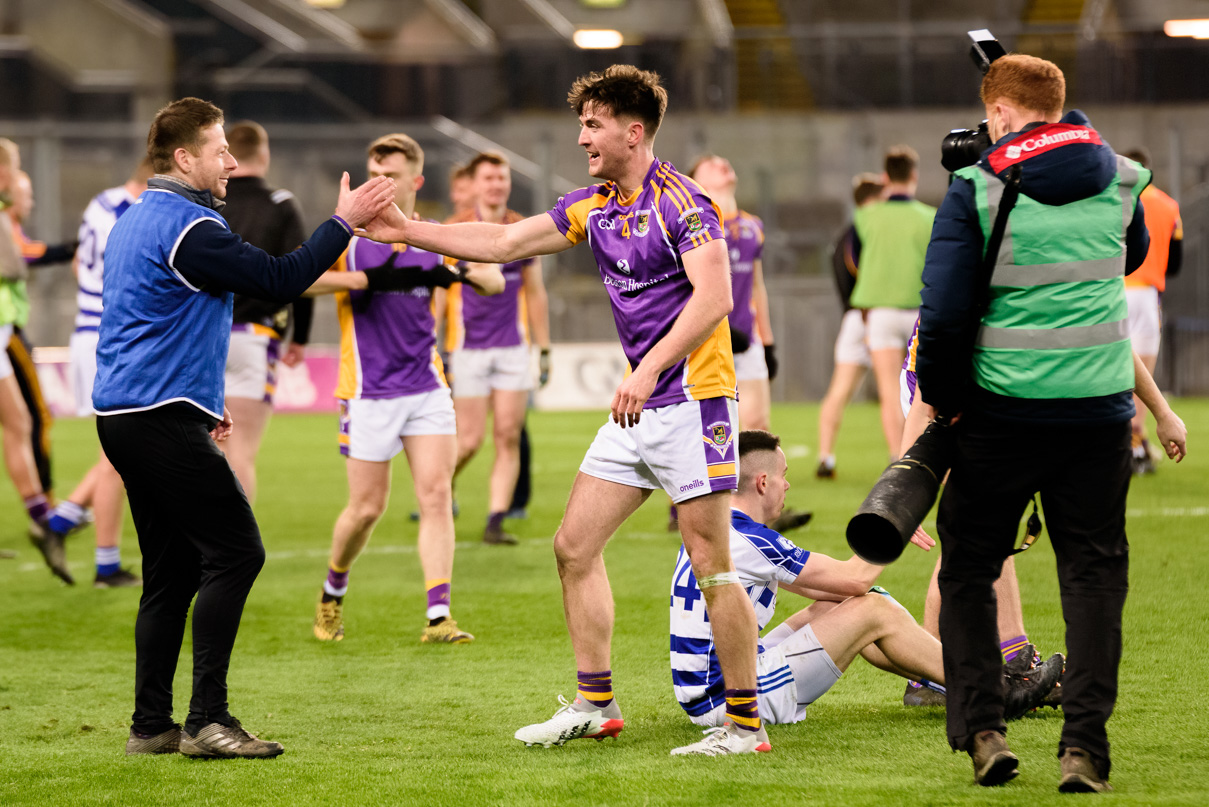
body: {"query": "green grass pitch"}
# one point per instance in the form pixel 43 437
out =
pixel 382 719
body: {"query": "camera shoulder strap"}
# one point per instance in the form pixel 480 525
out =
pixel 1008 201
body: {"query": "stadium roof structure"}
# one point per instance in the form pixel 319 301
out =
pixel 352 60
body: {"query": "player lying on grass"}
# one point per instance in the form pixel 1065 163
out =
pixel 803 656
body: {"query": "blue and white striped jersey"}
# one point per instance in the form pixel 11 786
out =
pixel 763 558
pixel 99 218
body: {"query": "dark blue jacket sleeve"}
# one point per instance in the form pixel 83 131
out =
pixel 1137 240
pixel 952 289
pixel 213 257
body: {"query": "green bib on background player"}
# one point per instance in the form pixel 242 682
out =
pixel 1057 325
pixel 894 238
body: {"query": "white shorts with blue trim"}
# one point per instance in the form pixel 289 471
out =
pixel 790 676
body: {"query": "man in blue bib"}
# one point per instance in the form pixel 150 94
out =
pixel 171 266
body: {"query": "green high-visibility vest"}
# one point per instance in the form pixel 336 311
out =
pixel 1057 325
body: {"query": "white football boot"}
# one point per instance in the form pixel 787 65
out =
pixel 726 739
pixel 576 720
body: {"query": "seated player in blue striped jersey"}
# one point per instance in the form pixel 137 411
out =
pixel 802 657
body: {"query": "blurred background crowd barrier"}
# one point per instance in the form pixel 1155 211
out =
pixel 799 95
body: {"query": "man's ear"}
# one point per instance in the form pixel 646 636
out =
pixel 761 482
pixel 419 182
pixel 183 159
pixel 635 132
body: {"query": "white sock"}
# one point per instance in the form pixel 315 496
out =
pixel 70 511
pixel 437 611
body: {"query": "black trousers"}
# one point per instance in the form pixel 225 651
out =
pixel 524 479
pixel 1083 477
pixel 198 537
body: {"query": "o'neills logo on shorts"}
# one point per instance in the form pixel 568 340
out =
pixel 696 483
pixel 1040 140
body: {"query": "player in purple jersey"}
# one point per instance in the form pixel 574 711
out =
pixel 751 334
pixel 393 396
pixel 489 339
pixel 658 243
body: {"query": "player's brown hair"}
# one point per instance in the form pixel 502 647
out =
pixel 398 143
pixel 459 172
pixel 865 187
pixel 179 125
pixel 626 92
pixel 901 162
pixel 1139 156
pixel 245 139
pixel 485 158
pixel 1026 82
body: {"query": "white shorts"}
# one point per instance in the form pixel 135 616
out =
pixel 750 364
pixel 373 429
pixel 478 371
pixel 850 347
pixel 1145 319
pixel 252 364
pixel 790 676
pixel 906 390
pixel 83 350
pixel 6 365
pixel 686 449
pixel 889 328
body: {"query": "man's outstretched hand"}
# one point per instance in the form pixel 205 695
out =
pixel 388 227
pixel 359 207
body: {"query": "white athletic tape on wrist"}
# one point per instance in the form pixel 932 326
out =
pixel 720 579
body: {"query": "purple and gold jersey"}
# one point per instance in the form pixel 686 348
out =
pixel 500 320
pixel 909 361
pixel 745 240
pixel 638 243
pixel 387 338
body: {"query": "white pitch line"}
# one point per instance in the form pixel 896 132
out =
pixel 372 549
pixel 1169 512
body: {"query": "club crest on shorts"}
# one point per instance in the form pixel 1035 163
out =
pixel 717 436
pixel 642 223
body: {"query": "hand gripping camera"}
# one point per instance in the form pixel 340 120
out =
pixel 963 147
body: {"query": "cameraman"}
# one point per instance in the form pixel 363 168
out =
pixel 1050 364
